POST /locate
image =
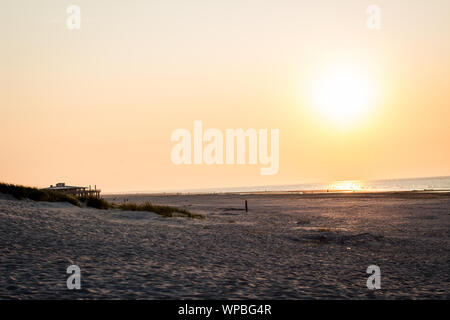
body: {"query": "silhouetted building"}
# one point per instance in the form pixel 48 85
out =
pixel 75 191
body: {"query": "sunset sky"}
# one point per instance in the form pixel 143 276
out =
pixel 98 105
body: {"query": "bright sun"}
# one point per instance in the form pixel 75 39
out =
pixel 343 96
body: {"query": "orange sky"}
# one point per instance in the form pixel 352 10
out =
pixel 98 105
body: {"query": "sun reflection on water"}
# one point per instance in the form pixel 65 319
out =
pixel 346 186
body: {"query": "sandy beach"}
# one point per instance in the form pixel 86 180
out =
pixel 287 246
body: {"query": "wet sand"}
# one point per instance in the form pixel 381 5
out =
pixel 288 246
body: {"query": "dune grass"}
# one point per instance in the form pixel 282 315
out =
pixel 95 202
pixel 21 192
pixel 163 210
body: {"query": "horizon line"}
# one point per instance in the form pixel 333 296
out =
pixel 230 189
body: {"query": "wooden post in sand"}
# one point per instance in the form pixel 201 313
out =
pixel 246 207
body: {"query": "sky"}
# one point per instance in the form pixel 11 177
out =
pixel 98 105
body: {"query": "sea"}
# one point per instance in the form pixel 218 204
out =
pixel 436 184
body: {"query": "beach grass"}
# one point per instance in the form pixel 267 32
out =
pixel 163 210
pixel 22 192
pixel 94 202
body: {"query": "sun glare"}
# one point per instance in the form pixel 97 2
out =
pixel 343 96
pixel 346 186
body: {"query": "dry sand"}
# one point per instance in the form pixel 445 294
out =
pixel 288 246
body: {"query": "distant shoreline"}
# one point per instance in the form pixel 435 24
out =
pixel 421 184
pixel 306 193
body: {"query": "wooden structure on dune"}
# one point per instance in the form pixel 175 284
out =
pixel 81 192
